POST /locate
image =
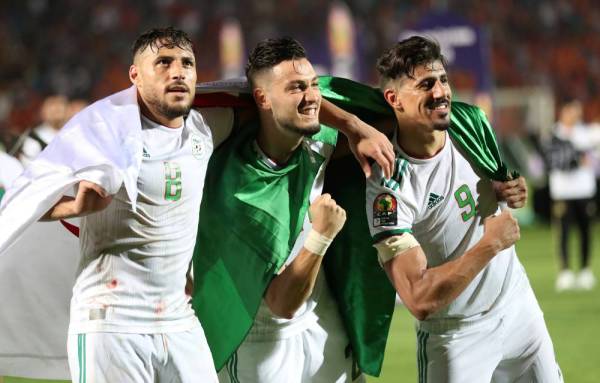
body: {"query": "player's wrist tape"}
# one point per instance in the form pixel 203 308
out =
pixel 317 243
pixel 393 246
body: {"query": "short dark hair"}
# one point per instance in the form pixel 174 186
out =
pixel 270 52
pixel 402 59
pixel 158 37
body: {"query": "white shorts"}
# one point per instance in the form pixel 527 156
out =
pixel 320 353
pixel 511 347
pixel 105 357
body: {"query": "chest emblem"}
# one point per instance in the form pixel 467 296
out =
pixel 434 200
pixel 198 146
pixel 385 211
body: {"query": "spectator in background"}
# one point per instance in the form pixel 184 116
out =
pixel 572 190
pixel 53 114
pixel 74 106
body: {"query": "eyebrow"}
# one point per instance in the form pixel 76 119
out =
pixel 430 77
pixel 172 57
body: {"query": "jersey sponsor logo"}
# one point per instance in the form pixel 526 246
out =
pixel 197 146
pixel 145 153
pixel 385 210
pixel 433 200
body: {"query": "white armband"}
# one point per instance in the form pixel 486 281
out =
pixel 317 243
pixel 392 246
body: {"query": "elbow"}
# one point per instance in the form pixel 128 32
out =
pixel 419 314
pixel 282 310
pixel 419 310
pixel 286 314
pixel 281 307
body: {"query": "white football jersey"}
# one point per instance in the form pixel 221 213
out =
pixel 134 263
pixel 266 325
pixel 443 201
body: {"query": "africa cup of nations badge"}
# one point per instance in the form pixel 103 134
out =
pixel 197 146
pixel 384 210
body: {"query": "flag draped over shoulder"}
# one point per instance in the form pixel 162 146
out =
pixel 365 297
pixel 38 261
pixel 100 144
pixel 250 218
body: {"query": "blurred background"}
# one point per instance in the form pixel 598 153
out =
pixel 521 61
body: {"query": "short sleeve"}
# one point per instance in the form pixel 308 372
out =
pixel 220 121
pixel 389 202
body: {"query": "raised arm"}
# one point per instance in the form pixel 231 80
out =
pixel 292 287
pixel 364 140
pixel 90 198
pixel 424 290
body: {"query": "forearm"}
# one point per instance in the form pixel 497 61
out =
pixel 335 117
pixel 290 289
pixel 429 290
pixel 65 208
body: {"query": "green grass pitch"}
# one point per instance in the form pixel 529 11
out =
pixel 573 318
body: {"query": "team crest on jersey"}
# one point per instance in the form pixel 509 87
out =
pixel 197 146
pixel 385 210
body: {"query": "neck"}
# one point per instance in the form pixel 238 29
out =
pixel 275 142
pixel 159 118
pixel 422 146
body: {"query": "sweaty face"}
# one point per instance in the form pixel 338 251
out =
pixel 425 99
pixel 293 90
pixel 165 79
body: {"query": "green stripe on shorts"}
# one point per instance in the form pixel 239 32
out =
pixel 81 357
pixel 422 355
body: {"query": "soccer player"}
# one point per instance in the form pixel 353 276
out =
pixel 446 247
pixel 130 317
pixel 275 174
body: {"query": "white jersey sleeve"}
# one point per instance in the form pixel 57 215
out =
pixel 391 206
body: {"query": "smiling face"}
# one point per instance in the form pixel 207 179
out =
pixel 291 91
pixel 165 77
pixel 424 99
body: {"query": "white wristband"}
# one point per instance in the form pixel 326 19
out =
pixel 317 243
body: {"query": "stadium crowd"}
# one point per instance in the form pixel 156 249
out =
pixel 41 45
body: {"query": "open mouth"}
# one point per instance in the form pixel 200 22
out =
pixel 439 106
pixel 309 111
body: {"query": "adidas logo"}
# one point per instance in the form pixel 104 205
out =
pixel 434 199
pixel 145 153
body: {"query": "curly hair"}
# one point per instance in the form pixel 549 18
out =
pixel 402 59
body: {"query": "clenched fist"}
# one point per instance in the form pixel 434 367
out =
pixel 502 231
pixel 514 192
pixel 327 216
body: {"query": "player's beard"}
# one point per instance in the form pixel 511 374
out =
pixel 442 126
pixel 305 131
pixel 171 111
pixel 445 124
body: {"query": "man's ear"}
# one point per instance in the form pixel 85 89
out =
pixel 133 74
pixel 261 98
pixel 391 96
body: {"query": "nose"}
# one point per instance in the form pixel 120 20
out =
pixel 177 71
pixel 312 94
pixel 438 90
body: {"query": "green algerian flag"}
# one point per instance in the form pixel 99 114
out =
pixel 365 297
pixel 250 218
